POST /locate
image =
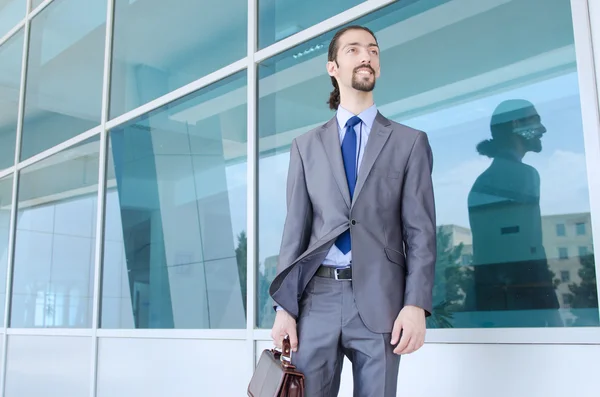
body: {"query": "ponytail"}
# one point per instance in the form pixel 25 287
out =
pixel 334 96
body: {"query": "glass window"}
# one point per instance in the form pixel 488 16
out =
pixel 561 230
pixel 11 61
pixel 563 253
pixel 565 276
pixel 55 241
pixel 583 250
pixel 159 47
pixel 580 229
pixel 175 238
pixel 280 19
pixel 11 13
pixel 35 4
pixel 500 191
pixel 63 97
pixel 5 206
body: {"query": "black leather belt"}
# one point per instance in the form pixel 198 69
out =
pixel 344 273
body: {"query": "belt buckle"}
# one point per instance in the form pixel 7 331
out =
pixel 337 274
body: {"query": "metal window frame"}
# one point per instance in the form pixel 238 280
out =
pixel 588 67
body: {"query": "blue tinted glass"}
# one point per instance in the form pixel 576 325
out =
pixel 35 3
pixel 159 46
pixel 55 240
pixel 498 202
pixel 175 235
pixel 11 60
pixel 63 97
pixel 5 206
pixel 11 13
pixel 280 19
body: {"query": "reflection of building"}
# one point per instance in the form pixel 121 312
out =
pixel 566 239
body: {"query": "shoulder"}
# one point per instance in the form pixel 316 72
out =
pixel 313 135
pixel 408 135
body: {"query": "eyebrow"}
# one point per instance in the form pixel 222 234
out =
pixel 358 44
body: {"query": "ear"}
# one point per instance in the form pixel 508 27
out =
pixel 332 68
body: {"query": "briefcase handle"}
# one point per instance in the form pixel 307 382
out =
pixel 286 351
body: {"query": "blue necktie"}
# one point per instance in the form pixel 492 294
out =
pixel 349 156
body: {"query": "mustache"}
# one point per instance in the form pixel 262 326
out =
pixel 364 67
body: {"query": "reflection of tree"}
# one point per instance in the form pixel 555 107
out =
pixel 241 254
pixel 451 283
pixel 585 294
pixel 265 311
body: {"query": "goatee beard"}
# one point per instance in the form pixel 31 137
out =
pixel 362 85
pixel 365 86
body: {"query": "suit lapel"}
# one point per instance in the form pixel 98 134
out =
pixel 330 139
pixel 377 138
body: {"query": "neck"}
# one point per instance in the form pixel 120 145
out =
pixel 356 101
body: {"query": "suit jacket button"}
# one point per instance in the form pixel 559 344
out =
pixel 353 222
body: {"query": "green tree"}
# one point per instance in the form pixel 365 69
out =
pixel 585 294
pixel 451 280
pixel 241 255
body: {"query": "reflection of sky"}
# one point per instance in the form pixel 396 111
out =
pixel 454 132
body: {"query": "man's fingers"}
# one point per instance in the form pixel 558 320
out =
pixel 404 341
pixel 293 339
pixel 416 342
pixel 396 332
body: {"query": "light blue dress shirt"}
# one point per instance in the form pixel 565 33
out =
pixel 335 257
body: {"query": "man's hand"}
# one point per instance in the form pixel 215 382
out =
pixel 411 321
pixel 284 325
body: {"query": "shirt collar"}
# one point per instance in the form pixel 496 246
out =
pixel 367 116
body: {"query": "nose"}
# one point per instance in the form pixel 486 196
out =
pixel 365 56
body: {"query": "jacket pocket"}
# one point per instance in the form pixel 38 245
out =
pixel 395 256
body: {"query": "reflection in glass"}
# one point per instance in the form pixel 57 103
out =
pixel 175 233
pixel 11 61
pixel 159 47
pixel 280 19
pixel 451 91
pixel 63 96
pixel 5 206
pixel 54 247
pixel 11 13
pixel 510 267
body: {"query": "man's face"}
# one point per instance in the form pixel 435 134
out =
pixel 531 130
pixel 357 63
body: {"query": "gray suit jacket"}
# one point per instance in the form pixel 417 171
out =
pixel 391 217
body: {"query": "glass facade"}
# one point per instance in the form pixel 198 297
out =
pixel 11 61
pixel 153 55
pixel 53 274
pixel 159 212
pixel 11 13
pixel 499 202
pixel 65 63
pixel 175 236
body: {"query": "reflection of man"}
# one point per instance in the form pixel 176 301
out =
pixel 357 257
pixel 510 267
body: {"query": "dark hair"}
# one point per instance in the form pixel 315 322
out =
pixel 334 96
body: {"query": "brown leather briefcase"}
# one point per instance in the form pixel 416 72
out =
pixel 275 376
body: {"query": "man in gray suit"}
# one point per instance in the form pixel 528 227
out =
pixel 356 264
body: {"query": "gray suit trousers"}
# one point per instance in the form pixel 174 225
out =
pixel 329 327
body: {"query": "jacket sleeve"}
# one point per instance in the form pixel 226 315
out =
pixel 298 221
pixel 418 219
